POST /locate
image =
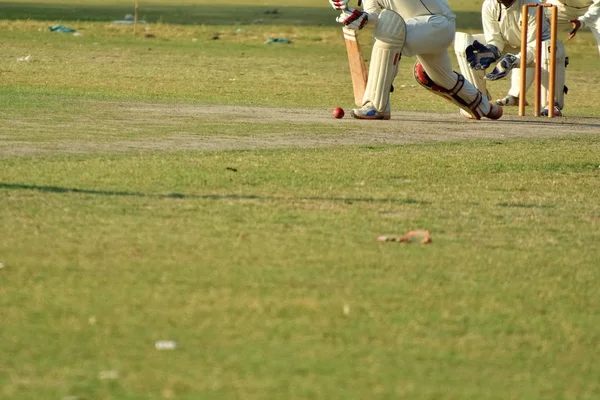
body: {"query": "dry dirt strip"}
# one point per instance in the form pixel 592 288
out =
pixel 405 127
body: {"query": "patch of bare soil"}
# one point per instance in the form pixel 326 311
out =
pixel 405 127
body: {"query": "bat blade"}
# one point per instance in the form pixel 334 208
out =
pixel 358 69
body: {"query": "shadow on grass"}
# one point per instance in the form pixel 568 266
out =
pixel 201 14
pixel 58 189
pixel 524 205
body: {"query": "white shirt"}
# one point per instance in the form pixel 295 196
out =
pixel 502 26
pixel 593 9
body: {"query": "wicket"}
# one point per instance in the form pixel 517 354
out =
pixel 538 58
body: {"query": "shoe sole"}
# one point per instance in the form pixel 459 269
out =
pixel 383 117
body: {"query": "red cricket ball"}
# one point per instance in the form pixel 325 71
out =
pixel 338 112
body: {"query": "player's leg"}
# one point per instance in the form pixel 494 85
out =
pixel 476 77
pixel 389 35
pixel 428 38
pixel 559 100
pixel 512 97
pixel 434 72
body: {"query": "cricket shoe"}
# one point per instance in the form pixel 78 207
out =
pixel 495 111
pixel 509 101
pixel 368 111
pixel 557 112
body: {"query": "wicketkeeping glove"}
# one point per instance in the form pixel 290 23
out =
pixel 503 67
pixel 481 56
pixel 339 4
pixel 353 19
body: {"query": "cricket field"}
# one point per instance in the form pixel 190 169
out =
pixel 182 217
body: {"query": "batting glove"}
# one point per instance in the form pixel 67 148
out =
pixel 353 19
pixel 506 63
pixel 339 4
pixel 481 56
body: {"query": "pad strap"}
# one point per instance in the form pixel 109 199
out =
pixel 452 95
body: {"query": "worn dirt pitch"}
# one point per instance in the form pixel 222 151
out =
pixel 173 127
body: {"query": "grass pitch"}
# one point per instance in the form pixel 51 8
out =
pixel 136 207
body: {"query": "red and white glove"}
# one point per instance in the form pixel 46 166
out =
pixel 339 4
pixel 353 19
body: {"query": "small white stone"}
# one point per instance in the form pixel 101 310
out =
pixel 165 345
pixel 108 375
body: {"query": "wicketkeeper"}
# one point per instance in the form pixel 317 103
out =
pixel 500 45
pixel 421 28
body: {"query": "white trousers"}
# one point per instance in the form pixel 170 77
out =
pixel 428 38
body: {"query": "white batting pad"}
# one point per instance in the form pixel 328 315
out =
pixel 560 74
pixel 389 35
pixel 461 42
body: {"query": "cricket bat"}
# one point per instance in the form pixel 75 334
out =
pixel 358 69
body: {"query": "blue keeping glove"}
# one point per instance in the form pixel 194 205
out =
pixel 503 67
pixel 481 56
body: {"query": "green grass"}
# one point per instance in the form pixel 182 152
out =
pixel 183 63
pixel 249 272
pixel 263 264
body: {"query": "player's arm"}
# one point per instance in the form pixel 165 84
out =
pixel 508 61
pixel 531 36
pixel 491 26
pixel 479 55
pixel 590 17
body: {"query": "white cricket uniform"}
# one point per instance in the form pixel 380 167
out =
pixel 502 27
pixel 430 29
pixel 430 24
pixel 586 11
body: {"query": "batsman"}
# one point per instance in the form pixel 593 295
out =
pixel 500 44
pixel 420 28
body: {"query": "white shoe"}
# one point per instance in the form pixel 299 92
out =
pixel 509 101
pixel 368 111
